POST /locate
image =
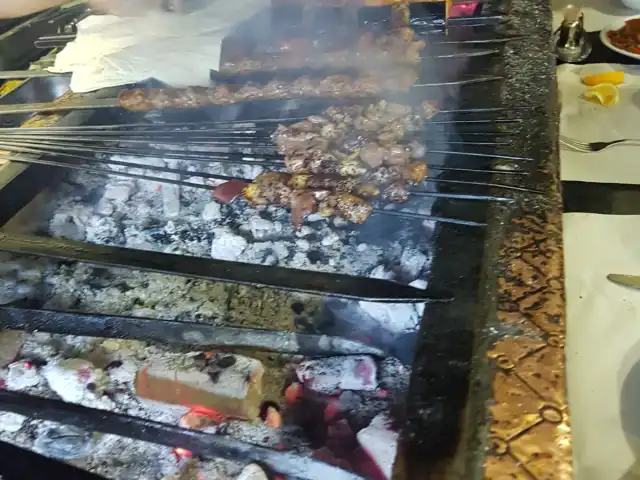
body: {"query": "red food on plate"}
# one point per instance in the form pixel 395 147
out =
pixel 628 37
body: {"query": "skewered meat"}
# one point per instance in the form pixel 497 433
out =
pixel 337 86
pixel 329 195
pixel 359 162
pixel 350 128
pixel 347 206
pixel 400 47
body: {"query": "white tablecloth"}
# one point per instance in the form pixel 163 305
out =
pixel 603 345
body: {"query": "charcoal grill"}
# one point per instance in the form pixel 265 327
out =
pixel 441 433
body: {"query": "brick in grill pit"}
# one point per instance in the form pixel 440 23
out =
pixel 235 392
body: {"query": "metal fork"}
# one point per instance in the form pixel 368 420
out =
pixel 590 147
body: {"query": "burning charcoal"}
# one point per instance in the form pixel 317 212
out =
pixel 380 443
pixel 393 317
pixel 119 192
pixel 262 229
pixel 214 375
pixel 412 263
pixel 421 284
pixel 325 455
pixel 64 442
pixel 270 414
pixel 226 361
pixel 394 375
pixel 333 374
pixel 10 345
pixel 226 391
pixel 22 374
pixel 11 422
pixel 330 239
pixel 200 418
pixel 63 225
pixel 227 245
pixel 340 437
pixel 201 360
pixel 113 364
pixel 69 378
pixel 293 393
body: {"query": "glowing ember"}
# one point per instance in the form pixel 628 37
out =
pixel 293 392
pixel 200 417
pixel 28 364
pixel 182 453
pixel 463 9
pixel 273 418
pixel 332 410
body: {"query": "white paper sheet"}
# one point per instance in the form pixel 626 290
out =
pixel 586 121
pixel 176 49
pixel 603 345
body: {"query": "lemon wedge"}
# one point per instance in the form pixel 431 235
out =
pixel 615 78
pixel 605 94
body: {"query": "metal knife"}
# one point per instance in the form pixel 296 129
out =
pixel 632 281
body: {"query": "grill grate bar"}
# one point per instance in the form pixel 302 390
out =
pixel 288 279
pixel 200 335
pixel 200 443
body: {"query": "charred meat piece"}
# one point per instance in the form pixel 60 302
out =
pixel 269 188
pixel 303 203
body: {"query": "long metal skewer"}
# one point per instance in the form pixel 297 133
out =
pixel 103 171
pixel 262 150
pixel 188 140
pixel 26 147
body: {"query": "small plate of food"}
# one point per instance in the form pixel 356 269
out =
pixel 623 37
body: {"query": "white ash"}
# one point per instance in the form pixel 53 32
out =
pixel 380 442
pixel 412 263
pixel 22 375
pixel 227 246
pixel 70 379
pixel 211 211
pixel 398 317
pixel 11 422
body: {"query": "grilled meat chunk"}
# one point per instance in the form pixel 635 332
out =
pixel 347 206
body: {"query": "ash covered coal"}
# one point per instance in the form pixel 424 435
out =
pixel 322 423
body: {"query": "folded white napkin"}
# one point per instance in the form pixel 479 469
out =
pixel 586 121
pixel 176 49
pixel 603 345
